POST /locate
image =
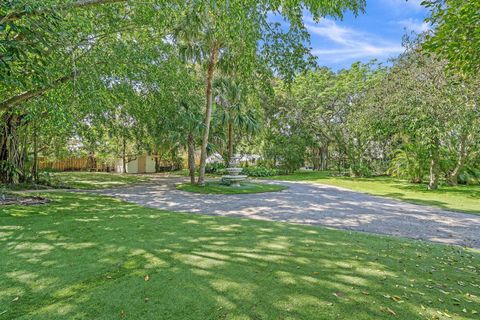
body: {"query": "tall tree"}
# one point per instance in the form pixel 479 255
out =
pixel 237 34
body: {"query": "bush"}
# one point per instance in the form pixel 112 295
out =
pixel 260 172
pixel 360 170
pixel 469 176
pixel 10 173
pixel 46 178
pixel 214 168
pixel 410 162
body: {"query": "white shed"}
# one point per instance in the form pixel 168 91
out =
pixel 139 164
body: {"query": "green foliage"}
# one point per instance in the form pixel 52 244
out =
pixel 259 172
pixel 215 168
pixel 455 36
pixel 469 176
pixel 427 111
pixel 285 152
pixel 410 162
pixel 360 170
pixel 9 172
pixel 324 109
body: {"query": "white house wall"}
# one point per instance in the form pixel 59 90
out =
pixel 132 166
pixel 150 165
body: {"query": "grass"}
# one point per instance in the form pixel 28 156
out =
pixel 23 186
pixel 81 180
pixel 96 180
pixel 90 257
pixel 459 198
pixel 218 188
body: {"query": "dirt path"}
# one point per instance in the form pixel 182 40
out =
pixel 315 204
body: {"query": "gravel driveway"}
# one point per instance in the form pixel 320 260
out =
pixel 315 204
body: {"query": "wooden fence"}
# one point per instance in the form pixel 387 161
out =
pixel 74 164
pixel 91 164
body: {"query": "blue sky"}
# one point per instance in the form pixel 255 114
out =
pixel 377 34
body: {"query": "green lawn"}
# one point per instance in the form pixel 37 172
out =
pixel 91 257
pixel 459 198
pixel 96 180
pixel 217 188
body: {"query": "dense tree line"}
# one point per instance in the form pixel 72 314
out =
pixel 417 119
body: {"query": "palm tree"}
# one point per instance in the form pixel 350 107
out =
pixel 191 124
pixel 199 43
pixel 229 95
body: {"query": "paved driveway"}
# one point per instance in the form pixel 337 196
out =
pixel 315 204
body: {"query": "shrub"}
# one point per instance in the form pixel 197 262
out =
pixel 10 172
pixel 410 162
pixel 46 178
pixel 360 170
pixel 214 168
pixel 469 176
pixel 260 172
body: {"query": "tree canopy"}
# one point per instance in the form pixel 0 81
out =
pixel 456 34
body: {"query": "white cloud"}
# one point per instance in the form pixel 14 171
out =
pixel 414 25
pixel 349 44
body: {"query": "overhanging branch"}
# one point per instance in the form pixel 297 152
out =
pixel 27 95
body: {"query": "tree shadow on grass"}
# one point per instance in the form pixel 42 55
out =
pixel 472 192
pixel 433 203
pixel 90 257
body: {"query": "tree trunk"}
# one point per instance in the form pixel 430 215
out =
pixel 316 158
pixel 124 155
pixel 462 157
pixel 208 113
pixel 11 153
pixel 92 165
pixel 35 153
pixel 319 157
pixel 191 157
pixel 325 157
pixel 434 166
pixel 230 142
pixel 157 164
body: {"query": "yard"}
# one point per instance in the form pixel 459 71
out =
pixel 85 256
pixel 214 87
